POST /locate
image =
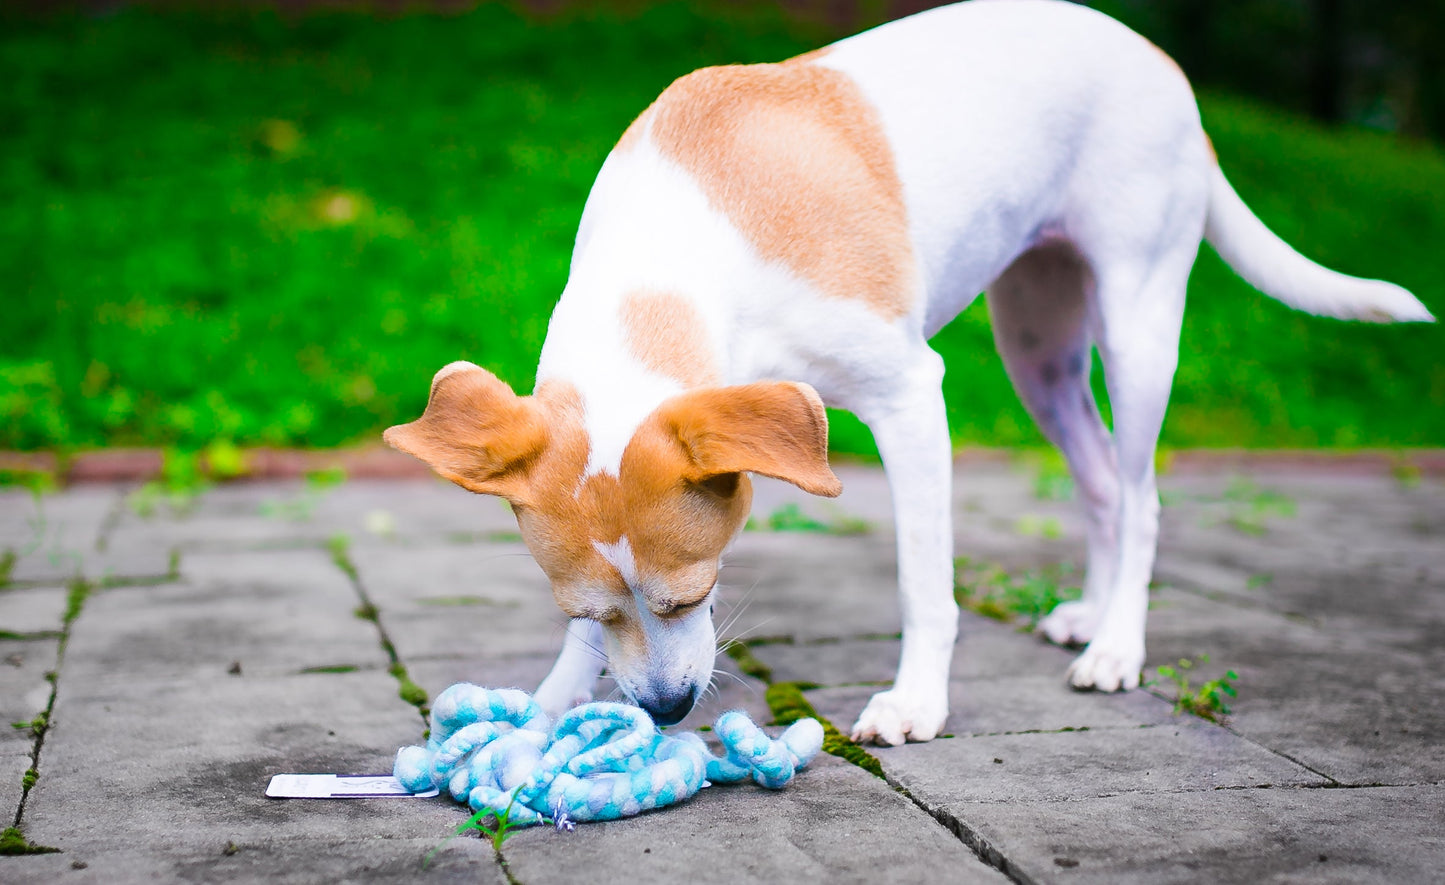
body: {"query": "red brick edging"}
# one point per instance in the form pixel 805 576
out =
pixel 374 462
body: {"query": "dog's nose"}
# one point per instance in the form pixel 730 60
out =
pixel 671 710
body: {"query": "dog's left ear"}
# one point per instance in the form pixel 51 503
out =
pixel 775 428
pixel 475 432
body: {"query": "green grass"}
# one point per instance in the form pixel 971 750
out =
pixel 990 590
pixel 246 229
pixel 790 517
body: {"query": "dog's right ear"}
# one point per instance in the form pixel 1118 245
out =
pixel 475 431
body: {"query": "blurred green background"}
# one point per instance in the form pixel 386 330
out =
pixel 271 227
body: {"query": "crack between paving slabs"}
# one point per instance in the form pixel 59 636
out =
pixel 12 839
pixel 1248 605
pixel 1230 599
pixel 788 705
pixel 1334 782
pixel 339 548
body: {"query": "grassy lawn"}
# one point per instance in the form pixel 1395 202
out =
pixel 274 232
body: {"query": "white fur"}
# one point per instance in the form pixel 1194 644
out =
pixel 1024 132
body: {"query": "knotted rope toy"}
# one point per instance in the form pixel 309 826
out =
pixel 495 749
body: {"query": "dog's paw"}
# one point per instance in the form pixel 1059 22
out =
pixel 893 717
pixel 1107 666
pixel 1070 623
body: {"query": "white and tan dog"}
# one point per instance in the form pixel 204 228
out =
pixel 765 239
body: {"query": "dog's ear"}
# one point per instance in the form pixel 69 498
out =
pixel 475 431
pixel 775 428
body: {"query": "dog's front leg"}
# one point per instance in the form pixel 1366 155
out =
pixel 575 673
pixel 911 431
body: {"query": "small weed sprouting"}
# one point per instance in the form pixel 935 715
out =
pixel 748 662
pixel 339 546
pixel 223 460
pixel 1250 507
pixel 39 482
pixel 502 828
pixel 1208 701
pixel 75 597
pixel 408 690
pixel 452 601
pixel 186 474
pixel 35 726
pixel 791 518
pixel 990 590
pixel 331 668
pixel 1406 473
pixel 29 778
pixel 1047 527
pixel 325 479
pixel 182 480
pixel 1264 579
pixel 302 508
pixel 1052 481
pixel 7 566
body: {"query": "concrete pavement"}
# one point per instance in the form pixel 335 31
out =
pixel 186 651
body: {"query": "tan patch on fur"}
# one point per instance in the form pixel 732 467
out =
pixel 666 333
pixel 1209 145
pixel 676 529
pixel 796 158
pixel 1167 57
pixel 633 133
pixel 809 57
pixel 679 496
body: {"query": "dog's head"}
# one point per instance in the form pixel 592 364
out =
pixel 637 551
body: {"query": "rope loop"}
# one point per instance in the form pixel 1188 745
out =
pixel 495 749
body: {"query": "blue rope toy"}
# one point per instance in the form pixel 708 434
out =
pixel 494 749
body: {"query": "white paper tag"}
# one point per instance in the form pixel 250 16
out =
pixel 340 786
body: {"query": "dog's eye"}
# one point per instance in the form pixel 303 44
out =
pixel 677 608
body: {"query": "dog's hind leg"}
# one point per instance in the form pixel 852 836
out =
pixel 1140 303
pixel 1042 314
pixel 910 427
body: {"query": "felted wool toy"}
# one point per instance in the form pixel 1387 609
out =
pixel 495 749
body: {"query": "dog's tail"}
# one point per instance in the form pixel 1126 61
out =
pixel 1271 266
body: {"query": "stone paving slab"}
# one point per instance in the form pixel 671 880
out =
pixel 1384 835
pixel 268 612
pixel 775 584
pixel 53 524
pixel 1344 703
pixel 32 609
pixel 24 694
pixel 492 598
pixel 985 649
pixel 1087 763
pixel 355 857
pixel 1013 704
pixel 1330 614
pixel 152 757
pixel 837 823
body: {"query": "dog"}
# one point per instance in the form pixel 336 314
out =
pixel 765 239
